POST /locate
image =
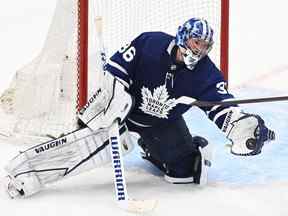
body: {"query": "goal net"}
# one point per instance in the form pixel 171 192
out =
pixel 45 95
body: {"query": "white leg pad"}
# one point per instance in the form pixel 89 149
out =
pixel 69 155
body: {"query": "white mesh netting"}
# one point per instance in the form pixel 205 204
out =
pixel 42 99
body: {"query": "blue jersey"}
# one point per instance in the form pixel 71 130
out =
pixel 147 68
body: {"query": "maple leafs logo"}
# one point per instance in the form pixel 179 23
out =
pixel 157 104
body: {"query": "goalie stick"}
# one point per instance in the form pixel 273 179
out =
pixel 122 199
pixel 193 102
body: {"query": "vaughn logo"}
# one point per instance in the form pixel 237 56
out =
pixel 91 100
pixel 157 104
pixel 51 145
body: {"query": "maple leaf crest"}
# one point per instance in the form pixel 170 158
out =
pixel 157 104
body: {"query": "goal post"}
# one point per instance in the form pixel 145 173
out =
pixel 83 19
pixel 224 39
pixel 45 95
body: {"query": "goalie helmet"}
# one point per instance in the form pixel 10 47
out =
pixel 201 33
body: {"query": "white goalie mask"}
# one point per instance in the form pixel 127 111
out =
pixel 195 40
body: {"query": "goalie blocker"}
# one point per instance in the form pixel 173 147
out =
pixel 110 102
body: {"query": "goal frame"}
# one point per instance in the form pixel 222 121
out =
pixel 83 8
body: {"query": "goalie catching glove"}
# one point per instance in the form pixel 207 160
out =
pixel 247 132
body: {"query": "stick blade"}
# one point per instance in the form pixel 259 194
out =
pixel 138 206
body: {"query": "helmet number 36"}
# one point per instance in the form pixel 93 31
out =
pixel 128 52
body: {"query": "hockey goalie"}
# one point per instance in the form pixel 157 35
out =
pixel 143 82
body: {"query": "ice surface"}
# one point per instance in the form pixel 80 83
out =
pixel 237 186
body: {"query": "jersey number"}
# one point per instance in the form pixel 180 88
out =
pixel 221 88
pixel 128 52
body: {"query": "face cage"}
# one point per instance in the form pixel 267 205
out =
pixel 191 58
pixel 199 52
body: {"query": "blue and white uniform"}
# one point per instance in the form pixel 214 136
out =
pixel 148 69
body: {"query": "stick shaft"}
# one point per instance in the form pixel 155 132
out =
pixel 231 102
pixel 117 163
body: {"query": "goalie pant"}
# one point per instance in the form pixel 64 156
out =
pixel 69 155
pixel 170 147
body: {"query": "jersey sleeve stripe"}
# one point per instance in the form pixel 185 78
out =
pixel 117 66
pixel 119 76
pixel 123 78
